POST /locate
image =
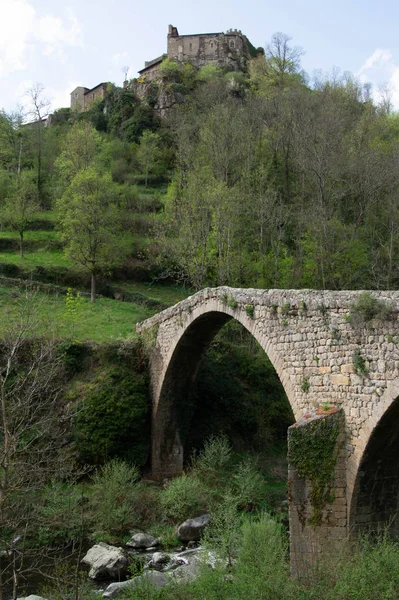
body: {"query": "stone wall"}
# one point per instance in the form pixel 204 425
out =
pixel 222 49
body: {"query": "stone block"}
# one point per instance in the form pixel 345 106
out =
pixel 338 379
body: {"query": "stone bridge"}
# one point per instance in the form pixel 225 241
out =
pixel 326 354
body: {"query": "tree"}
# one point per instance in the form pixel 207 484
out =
pixel 79 149
pixel 39 111
pixel 89 219
pixel 21 206
pixel 30 440
pixel 148 152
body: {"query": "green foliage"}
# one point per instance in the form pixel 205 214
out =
pixel 250 310
pixel 182 498
pixel 312 451
pixel 209 73
pixel 213 460
pixel 114 494
pixel 223 532
pixel 305 385
pixel 73 309
pixel 368 307
pixel 359 363
pixel 232 303
pixel 239 387
pixel 262 565
pixel 113 415
pixel 248 484
pixel 285 309
pixel 60 514
pixel 89 222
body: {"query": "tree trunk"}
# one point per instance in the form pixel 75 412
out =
pixel 93 288
pixel 21 244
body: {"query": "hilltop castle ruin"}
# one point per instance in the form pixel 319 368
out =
pixel 230 49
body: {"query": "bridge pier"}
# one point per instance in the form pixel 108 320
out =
pixel 316 489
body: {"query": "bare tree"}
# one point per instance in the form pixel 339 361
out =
pixel 38 112
pixel 281 58
pixel 30 383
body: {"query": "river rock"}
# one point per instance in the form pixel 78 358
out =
pixel 142 541
pixel 106 562
pixel 32 597
pixel 154 577
pixel 159 560
pixel 191 530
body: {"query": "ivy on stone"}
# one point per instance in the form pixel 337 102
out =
pixel 312 453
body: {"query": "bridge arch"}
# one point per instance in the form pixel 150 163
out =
pixel 180 367
pixel 373 470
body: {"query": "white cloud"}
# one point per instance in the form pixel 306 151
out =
pixel 382 71
pixel 55 34
pixel 379 59
pixel 16 26
pixel 23 33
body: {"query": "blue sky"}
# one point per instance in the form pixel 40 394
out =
pixel 62 45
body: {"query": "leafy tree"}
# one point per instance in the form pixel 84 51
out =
pixel 21 206
pixel 89 220
pixel 79 149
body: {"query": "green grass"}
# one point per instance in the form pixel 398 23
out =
pixel 169 294
pixel 32 236
pixel 101 321
pixel 39 258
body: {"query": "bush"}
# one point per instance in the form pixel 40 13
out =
pixel 182 498
pixel 368 307
pixel 211 464
pixel 59 518
pixel 114 494
pixel 262 569
pixel 248 484
pixel 113 418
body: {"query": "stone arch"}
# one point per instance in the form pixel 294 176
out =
pixel 373 469
pixel 178 372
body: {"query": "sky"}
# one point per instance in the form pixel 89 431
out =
pixel 65 44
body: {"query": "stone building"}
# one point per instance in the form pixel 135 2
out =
pixel 231 49
pixel 82 97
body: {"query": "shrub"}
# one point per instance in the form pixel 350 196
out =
pixel 222 534
pixel 114 494
pixel 248 484
pixel 211 464
pixel 182 498
pixel 262 570
pixel 250 310
pixel 359 363
pixel 113 418
pixel 59 518
pixel 368 307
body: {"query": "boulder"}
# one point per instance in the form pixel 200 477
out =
pixel 32 597
pixel 156 578
pixel 106 562
pixel 142 541
pixel 159 560
pixel 191 530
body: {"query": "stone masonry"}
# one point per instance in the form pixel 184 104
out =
pixel 316 353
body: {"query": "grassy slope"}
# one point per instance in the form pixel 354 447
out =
pixel 104 320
